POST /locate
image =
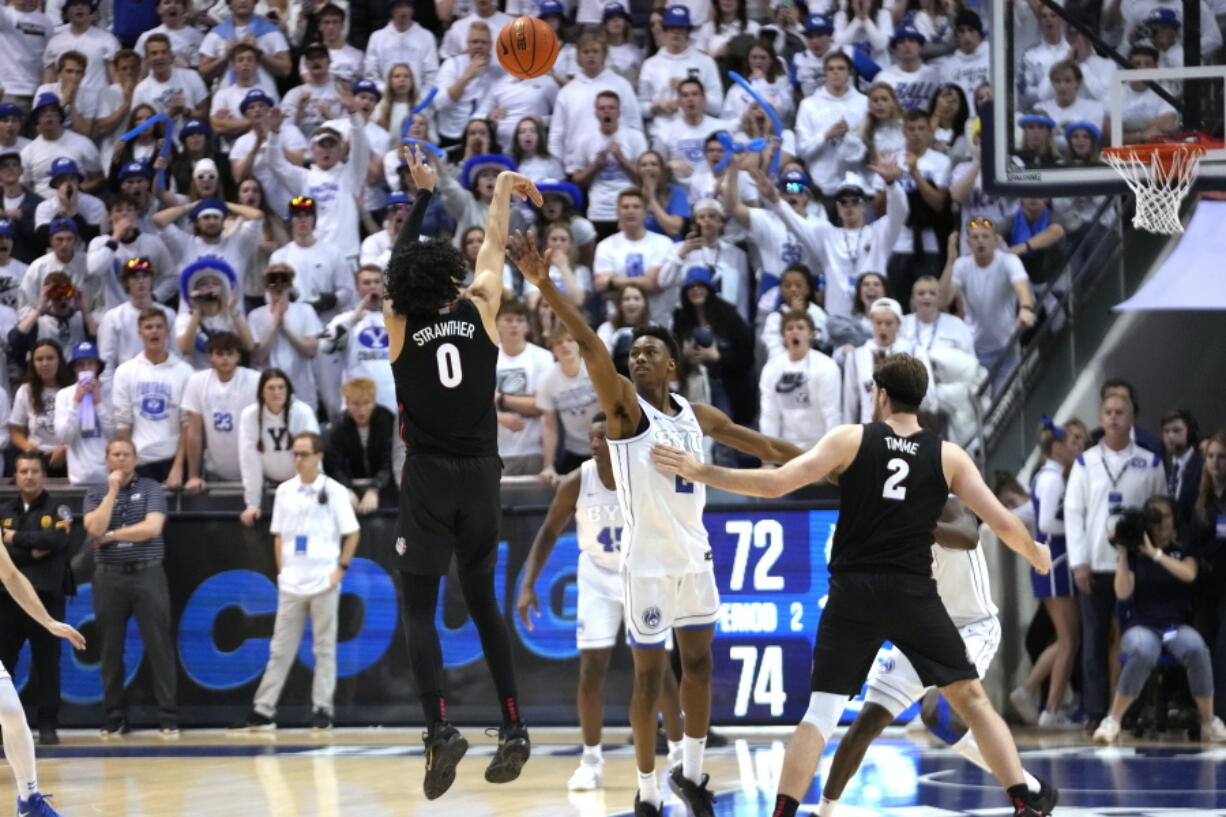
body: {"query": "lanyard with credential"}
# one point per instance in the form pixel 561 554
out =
pixel 1115 478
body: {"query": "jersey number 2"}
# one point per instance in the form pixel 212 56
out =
pixel 893 488
pixel 449 372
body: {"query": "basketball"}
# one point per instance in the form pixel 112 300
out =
pixel 527 47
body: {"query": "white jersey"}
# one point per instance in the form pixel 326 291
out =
pixel 598 519
pixel 664 533
pixel 962 584
pixel 220 406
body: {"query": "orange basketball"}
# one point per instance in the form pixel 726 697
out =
pixel 527 47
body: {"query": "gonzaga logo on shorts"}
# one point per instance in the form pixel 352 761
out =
pixel 651 617
pixel 155 400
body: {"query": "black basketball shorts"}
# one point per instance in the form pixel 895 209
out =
pixel 449 505
pixel 865 609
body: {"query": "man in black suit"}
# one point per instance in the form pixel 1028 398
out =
pixel 1183 462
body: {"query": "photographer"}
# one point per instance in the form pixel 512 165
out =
pixel 1113 473
pixel 1155 575
pixel 60 315
pixel 210 288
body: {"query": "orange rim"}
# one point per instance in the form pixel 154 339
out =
pixel 1164 156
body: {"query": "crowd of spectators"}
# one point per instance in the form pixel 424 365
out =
pixel 199 201
pixel 1136 528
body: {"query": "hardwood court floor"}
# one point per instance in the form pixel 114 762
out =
pixel 377 773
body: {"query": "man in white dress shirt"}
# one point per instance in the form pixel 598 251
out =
pixel 402 40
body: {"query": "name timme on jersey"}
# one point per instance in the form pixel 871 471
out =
pixel 599 524
pixel 664 533
pixel 889 500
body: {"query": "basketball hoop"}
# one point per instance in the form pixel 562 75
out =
pixel 1159 176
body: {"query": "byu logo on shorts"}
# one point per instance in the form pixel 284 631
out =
pixel 887 664
pixel 651 616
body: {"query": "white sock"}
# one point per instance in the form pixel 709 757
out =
pixel 827 807
pixel 691 757
pixel 674 748
pixel 969 749
pixel 18 742
pixel 649 789
pixel 592 755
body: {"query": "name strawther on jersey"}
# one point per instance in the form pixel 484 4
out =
pixel 444 329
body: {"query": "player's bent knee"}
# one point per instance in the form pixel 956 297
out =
pixel 824 711
pixel 696 667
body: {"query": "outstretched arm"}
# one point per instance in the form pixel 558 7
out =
pixel 966 482
pixel 486 290
pixel 410 233
pixel 832 453
pixel 23 593
pixel 560 510
pixel 718 425
pixel 956 528
pixel 616 393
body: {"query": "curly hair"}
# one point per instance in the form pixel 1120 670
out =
pixel 424 277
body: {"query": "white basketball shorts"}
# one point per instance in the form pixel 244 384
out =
pixel 894 684
pixel 657 604
pixel 600 607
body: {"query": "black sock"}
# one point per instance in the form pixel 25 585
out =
pixel 1019 793
pixel 482 606
pixel 785 806
pixel 420 602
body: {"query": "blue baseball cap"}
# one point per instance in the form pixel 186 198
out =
pixel 1163 17
pixel 6 227
pixel 255 95
pixel 63 166
pixel 85 350
pixel 818 24
pixel 62 225
pixel 135 168
pixel 676 17
pixel 698 275
pixel 209 206
pixel 44 100
pixel 793 179
pixel 551 7
pixel 397 199
pixel 1086 126
pixel 195 126
pixel 1037 119
pixel 906 31
pixel 9 109
pixel 366 86
pixel 613 9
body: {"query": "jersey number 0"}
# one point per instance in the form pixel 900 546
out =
pixel 449 372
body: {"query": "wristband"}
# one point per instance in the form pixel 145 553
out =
pixel 1157 555
pixel 342 565
pixel 502 402
pixel 112 244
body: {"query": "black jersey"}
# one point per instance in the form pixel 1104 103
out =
pixel 889 500
pixel 445 384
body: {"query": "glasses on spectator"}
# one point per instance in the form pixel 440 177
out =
pixel 795 187
pixel 206 176
pixel 301 203
pixel 138 266
pixel 277 280
pixel 980 222
pixel 849 200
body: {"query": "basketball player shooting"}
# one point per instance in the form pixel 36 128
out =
pixel 444 350
pixel 668 576
pixel 894 479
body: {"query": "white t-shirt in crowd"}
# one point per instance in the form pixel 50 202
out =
pixel 40 427
pixel 612 177
pixel 518 375
pixel 24 36
pixel 302 321
pixel 619 255
pixel 220 406
pixel 987 293
pixel 86 446
pixel 574 399
pixel 800 400
pixel 364 348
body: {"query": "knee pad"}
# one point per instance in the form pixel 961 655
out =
pixel 940 721
pixel 824 711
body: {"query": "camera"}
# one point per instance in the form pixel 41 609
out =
pixel 1131 526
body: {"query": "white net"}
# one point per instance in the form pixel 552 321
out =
pixel 1159 181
